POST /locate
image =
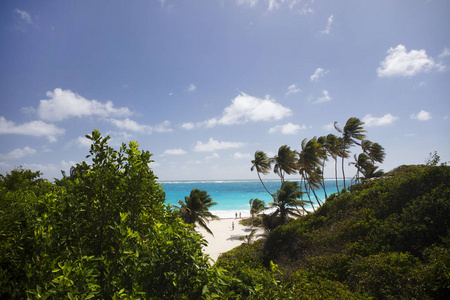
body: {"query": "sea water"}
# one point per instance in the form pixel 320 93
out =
pixel 233 196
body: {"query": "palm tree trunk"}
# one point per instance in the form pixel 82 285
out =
pixel 315 195
pixel 323 180
pixel 259 176
pixel 335 174
pixel 309 194
pixel 343 172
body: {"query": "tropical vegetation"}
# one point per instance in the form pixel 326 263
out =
pixel 102 233
pixel 105 231
pixel 382 239
pixel 195 209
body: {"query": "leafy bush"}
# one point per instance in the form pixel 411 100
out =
pixel 390 227
pixel 387 276
pixel 103 233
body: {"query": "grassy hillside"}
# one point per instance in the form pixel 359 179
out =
pixel 386 239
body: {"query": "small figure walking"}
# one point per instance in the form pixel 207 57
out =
pixel 232 225
pixel 235 214
pixel 240 216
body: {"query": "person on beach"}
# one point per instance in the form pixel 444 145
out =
pixel 235 215
pixel 232 225
pixel 240 216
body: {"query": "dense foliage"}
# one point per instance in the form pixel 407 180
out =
pixel 102 233
pixel 386 239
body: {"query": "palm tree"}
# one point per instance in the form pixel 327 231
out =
pixel 374 150
pixel 352 133
pixel 366 167
pixel 309 161
pixel 333 150
pixel 287 201
pixel 256 206
pixel 323 151
pixel 371 171
pixel 285 162
pixel 261 164
pixel 195 209
pixel 360 163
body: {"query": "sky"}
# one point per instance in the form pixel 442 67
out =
pixel 203 84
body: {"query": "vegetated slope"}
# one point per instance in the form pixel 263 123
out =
pixel 388 238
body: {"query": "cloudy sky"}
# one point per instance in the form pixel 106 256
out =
pixel 203 84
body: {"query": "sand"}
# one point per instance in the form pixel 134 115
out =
pixel 225 237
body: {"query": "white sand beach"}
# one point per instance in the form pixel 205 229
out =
pixel 225 238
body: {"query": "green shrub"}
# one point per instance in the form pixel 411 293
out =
pixel 387 276
pixel 103 233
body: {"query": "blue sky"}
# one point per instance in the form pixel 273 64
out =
pixel 204 84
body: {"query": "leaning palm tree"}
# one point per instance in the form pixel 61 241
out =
pixel 374 150
pixel 333 150
pixel 261 164
pixel 287 201
pixel 309 160
pixel 371 171
pixel 285 162
pixel 361 162
pixel 195 209
pixel 352 133
pixel 323 152
pixel 256 206
pixel 366 167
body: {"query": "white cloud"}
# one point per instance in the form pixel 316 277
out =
pixel 306 10
pixel 325 98
pixel 276 4
pixel 131 125
pixel 239 155
pixel 328 127
pixel 387 119
pixel 288 128
pixel 328 29
pixel 191 88
pixel 421 84
pixel 188 126
pixel 163 127
pixel 18 153
pixel 273 4
pixel 33 128
pixel 250 3
pixel 213 156
pixel 24 16
pixel 292 3
pixel 64 104
pixel 246 108
pixel 421 116
pixel 292 89
pixel 444 53
pixel 174 152
pixel 399 62
pixel 317 74
pixel 83 142
pixel 214 145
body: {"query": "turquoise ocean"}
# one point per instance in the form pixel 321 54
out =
pixel 232 196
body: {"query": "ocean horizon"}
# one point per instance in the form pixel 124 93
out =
pixel 233 196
